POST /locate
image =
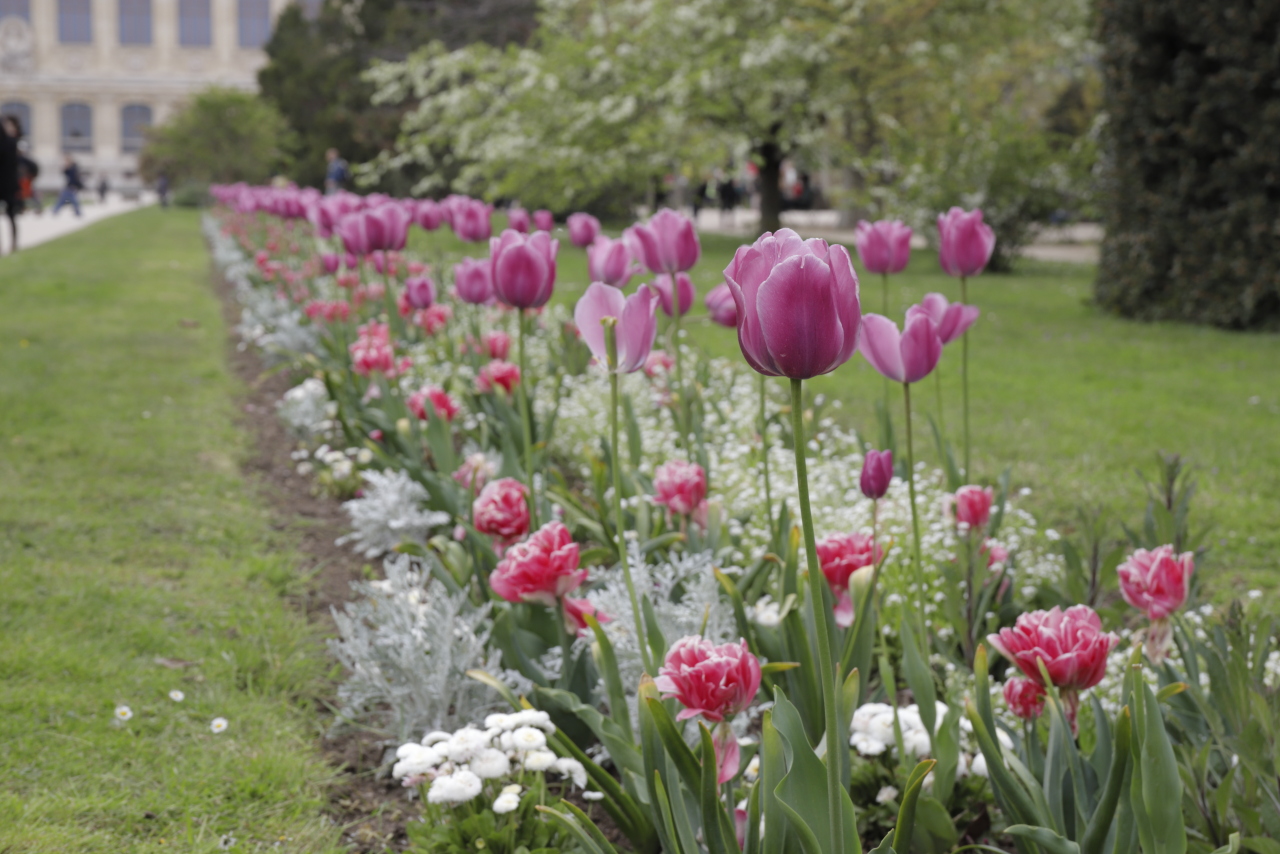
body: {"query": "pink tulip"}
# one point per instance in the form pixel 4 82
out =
pixel 575 613
pixel 583 229
pixel 720 306
pixel 474 472
pixel 683 286
pixel 840 556
pixel 428 215
pixel 498 373
pixel 433 318
pixel 441 403
pixel 350 261
pixel 500 511
pixel 883 246
pixel 395 226
pixel 473 280
pixel 973 506
pixel 636 323
pixel 995 553
pixel 1156 582
pixel 679 486
pixel 353 229
pixel 609 261
pixel 524 268
pixel 877 474
pixel 542 569
pixel 420 291
pixel 1071 644
pixel 716 682
pixel 965 242
pixel 330 261
pixel 372 351
pixel 658 362
pixel 543 220
pixel 518 220
pixel 906 357
pixel 953 319
pixel 668 242
pixel 471 220
pixel 497 344
pixel 797 300
pixel 1024 698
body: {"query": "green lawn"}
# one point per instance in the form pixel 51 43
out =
pixel 1071 399
pixel 127 534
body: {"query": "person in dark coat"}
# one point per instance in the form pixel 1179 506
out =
pixel 10 198
pixel 74 184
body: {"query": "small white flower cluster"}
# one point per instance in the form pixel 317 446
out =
pixel 458 764
pixel 306 408
pixel 872 734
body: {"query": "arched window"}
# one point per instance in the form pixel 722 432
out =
pixel 134 121
pixel 135 21
pixel 255 22
pixel 77 127
pixel 16 8
pixel 75 21
pixel 20 111
pixel 194 25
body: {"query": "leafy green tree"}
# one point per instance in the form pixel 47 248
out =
pixel 220 136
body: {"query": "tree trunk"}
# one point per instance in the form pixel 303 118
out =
pixel 770 155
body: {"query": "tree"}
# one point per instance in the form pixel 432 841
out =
pixel 221 136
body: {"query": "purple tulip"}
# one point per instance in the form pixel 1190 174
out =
pixel 877 473
pixel 609 261
pixel 637 323
pixel 543 220
pixel 524 268
pixel 721 307
pixel 353 229
pixel 583 229
pixel 668 242
pixel 797 302
pixel 331 262
pixel 965 242
pixel 471 220
pixel 951 319
pixel 906 357
pixel 428 215
pixel 350 260
pixel 518 220
pixel 883 246
pixel 473 280
pixel 683 287
pixel 420 291
pixel 395 225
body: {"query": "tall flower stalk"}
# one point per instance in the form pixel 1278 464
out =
pixel 764 452
pixel 526 416
pixel 915 513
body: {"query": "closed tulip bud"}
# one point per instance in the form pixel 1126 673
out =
pixel 473 280
pixel 583 229
pixel 905 357
pixel 667 299
pixel 609 261
pixel 518 220
pixel 721 307
pixel 543 220
pixel 634 316
pixel 668 242
pixel 973 506
pixel 331 262
pixel 471 220
pixel 952 319
pixel 420 291
pixel 428 215
pixel 1024 698
pixel 524 268
pixel 877 474
pixel 883 246
pixel 965 242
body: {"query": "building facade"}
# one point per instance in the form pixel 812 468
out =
pixel 88 77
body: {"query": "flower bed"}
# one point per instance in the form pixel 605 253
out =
pixel 662 554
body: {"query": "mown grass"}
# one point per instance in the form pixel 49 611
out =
pixel 1073 401
pixel 127 535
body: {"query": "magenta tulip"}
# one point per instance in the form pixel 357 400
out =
pixel 668 242
pixel 667 299
pixel 636 328
pixel 906 357
pixel 721 307
pixel 473 280
pixel 609 261
pixel 883 246
pixel 797 302
pixel 428 215
pixel 583 229
pixel 965 242
pixel 543 220
pixel 471 220
pixel 518 220
pixel 877 474
pixel 420 291
pixel 952 319
pixel 353 229
pixel 395 226
pixel 524 268
pixel 331 262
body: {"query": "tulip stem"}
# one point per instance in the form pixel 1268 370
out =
pixel 611 353
pixel 884 290
pixel 915 516
pixel 828 678
pixel 526 417
pixel 942 418
pixel 764 452
pixel 681 410
pixel 964 368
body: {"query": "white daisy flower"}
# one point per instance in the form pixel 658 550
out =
pixel 177 696
pixel 573 769
pixel 490 764
pixel 506 803
pixel 123 713
pixel 886 794
pixel 464 744
pixel 593 796
pixel 539 760
pixel 528 738
pixel 455 788
pixel 218 725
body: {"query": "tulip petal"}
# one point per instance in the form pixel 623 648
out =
pixel 598 302
pixel 881 346
pixel 637 328
pixel 799 317
pixel 921 349
pixel 848 301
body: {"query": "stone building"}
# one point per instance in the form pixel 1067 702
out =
pixel 87 77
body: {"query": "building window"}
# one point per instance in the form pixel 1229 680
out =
pixel 194 26
pixel 135 21
pixel 75 21
pixel 77 127
pixel 255 22
pixel 16 8
pixel 20 111
pixel 134 121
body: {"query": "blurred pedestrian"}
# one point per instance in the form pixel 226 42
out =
pixel 104 187
pixel 28 171
pixel 336 173
pixel 72 186
pixel 162 189
pixel 9 186
pixel 727 191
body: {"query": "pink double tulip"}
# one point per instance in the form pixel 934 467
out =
pixel 905 357
pixel 720 306
pixel 965 242
pixel 1071 644
pixel 471 220
pixel 473 280
pixel 542 569
pixel 501 511
pixel 668 242
pixel 972 506
pixel 576 612
pixel 679 486
pixel 420 291
pixel 610 261
pixel 441 403
pixel 952 319
pixel 543 220
pixel 883 246
pixel 877 474
pixel 842 555
pixel 670 295
pixel 1024 698
pixel 518 220
pixel 583 229
pixel 524 268
pixel 1157 582
pixel 499 373
pixel 637 324
pixel 497 344
pixel 798 309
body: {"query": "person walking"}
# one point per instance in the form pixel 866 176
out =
pixel 336 174
pixel 162 189
pixel 9 186
pixel 74 184
pixel 28 172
